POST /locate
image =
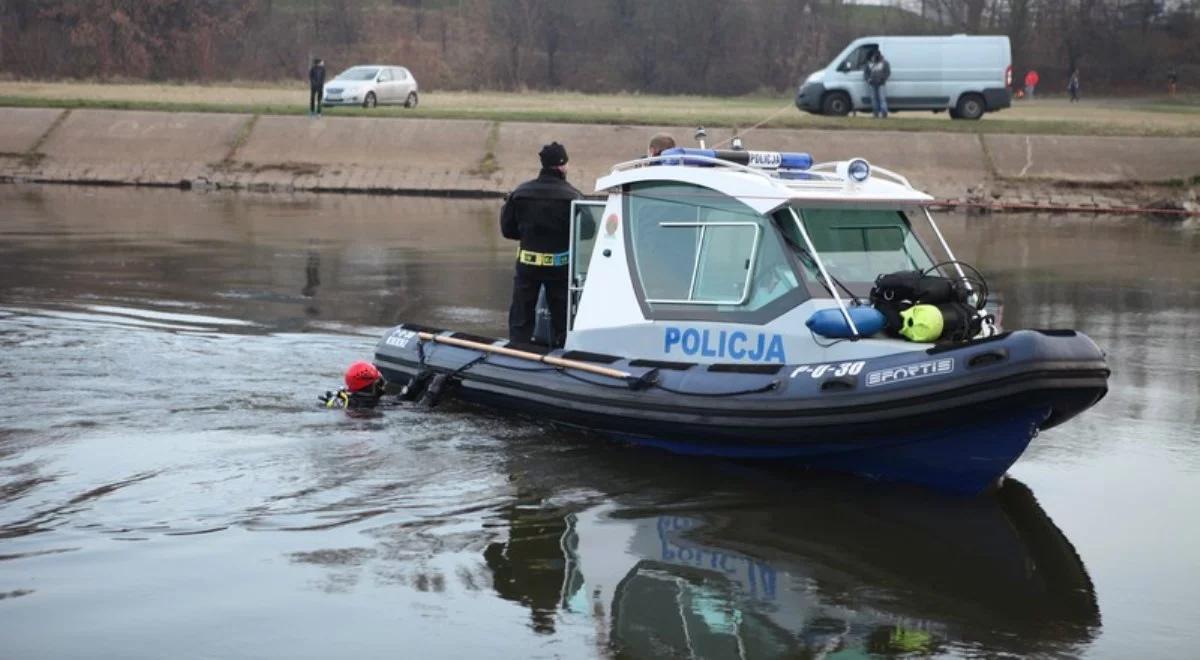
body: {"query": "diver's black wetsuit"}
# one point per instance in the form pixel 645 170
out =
pixel 364 398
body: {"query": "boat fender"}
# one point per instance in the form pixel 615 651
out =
pixel 830 322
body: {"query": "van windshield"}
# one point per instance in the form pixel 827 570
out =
pixel 858 245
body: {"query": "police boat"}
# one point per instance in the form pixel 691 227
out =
pixel 755 305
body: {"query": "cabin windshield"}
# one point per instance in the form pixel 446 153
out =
pixel 858 245
pixel 698 254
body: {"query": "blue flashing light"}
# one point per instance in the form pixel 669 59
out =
pixel 795 161
pixel 681 152
pixel 767 160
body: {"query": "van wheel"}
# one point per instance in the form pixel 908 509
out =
pixel 970 106
pixel 836 104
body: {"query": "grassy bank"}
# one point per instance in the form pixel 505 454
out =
pixel 1138 117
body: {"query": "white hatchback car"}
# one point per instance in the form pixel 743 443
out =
pixel 372 85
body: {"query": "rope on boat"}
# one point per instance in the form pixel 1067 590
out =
pixel 756 126
pixel 1064 208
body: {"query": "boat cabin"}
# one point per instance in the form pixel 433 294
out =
pixel 708 256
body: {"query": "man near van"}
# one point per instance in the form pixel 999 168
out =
pixel 538 214
pixel 876 73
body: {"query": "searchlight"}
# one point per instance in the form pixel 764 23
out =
pixel 857 170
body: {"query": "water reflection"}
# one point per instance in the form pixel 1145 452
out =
pixel 359 259
pixel 769 565
pixel 537 566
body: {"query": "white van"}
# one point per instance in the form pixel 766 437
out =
pixel 966 75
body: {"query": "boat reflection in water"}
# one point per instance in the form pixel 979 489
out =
pixel 765 567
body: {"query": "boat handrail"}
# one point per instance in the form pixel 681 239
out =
pixel 821 172
pixel 659 160
pixel 897 178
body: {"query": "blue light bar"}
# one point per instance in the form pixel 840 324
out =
pixel 767 160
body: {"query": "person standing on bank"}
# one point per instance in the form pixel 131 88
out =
pixel 316 86
pixel 1073 85
pixel 1031 81
pixel 538 214
pixel 876 73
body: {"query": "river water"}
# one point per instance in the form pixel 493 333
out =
pixel 169 487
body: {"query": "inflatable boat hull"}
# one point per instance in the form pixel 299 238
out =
pixel 951 418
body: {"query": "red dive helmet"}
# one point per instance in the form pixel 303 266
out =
pixel 361 375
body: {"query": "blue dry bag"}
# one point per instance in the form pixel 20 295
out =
pixel 830 322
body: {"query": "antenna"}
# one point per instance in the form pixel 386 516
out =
pixel 700 135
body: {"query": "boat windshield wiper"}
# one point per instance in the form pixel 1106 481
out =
pixel 806 259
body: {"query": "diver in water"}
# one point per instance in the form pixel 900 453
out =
pixel 365 386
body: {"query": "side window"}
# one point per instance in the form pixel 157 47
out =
pixel 401 74
pixel 693 248
pixel 774 275
pixel 385 75
pixel 858 58
pixel 585 218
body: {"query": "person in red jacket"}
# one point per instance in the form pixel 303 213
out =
pixel 1031 81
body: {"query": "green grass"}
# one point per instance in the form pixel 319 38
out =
pixel 1153 117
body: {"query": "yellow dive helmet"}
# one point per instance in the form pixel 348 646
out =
pixel 921 323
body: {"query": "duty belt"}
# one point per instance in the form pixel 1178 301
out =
pixel 531 258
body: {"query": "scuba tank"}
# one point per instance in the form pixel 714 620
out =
pixel 922 307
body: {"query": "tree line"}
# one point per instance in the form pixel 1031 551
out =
pixel 646 46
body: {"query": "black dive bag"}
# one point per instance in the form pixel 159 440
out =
pixel 896 292
pixel 959 300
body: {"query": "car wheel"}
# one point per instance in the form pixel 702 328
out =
pixel 411 101
pixel 970 106
pixel 836 104
pixel 369 100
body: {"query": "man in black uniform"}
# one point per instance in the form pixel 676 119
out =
pixel 538 214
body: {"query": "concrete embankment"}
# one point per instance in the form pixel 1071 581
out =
pixel 464 157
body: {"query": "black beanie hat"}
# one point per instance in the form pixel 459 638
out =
pixel 553 155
